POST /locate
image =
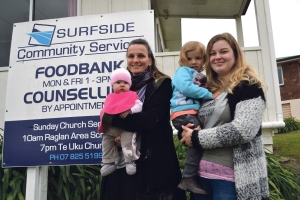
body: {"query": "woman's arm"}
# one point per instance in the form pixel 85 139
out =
pixel 243 128
pixel 155 111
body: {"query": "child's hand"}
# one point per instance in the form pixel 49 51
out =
pixel 216 94
pixel 124 114
pixel 204 82
pixel 118 141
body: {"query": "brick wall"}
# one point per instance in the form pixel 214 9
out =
pixel 291 76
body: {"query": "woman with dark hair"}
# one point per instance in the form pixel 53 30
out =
pixel 158 172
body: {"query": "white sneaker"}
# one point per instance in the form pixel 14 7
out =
pixel 130 168
pixel 107 169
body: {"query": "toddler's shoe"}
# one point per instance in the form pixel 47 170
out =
pixel 130 168
pixel 107 169
pixel 190 184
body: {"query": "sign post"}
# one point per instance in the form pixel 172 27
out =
pixel 37 183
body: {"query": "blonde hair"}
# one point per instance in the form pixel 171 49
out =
pixel 190 46
pixel 241 71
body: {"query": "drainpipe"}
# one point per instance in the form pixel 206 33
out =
pixel 280 123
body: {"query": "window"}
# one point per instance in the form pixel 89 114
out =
pixel 286 110
pixel 280 76
pixel 14 11
pixel 158 39
pixel 45 9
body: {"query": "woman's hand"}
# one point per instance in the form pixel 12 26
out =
pixel 187 134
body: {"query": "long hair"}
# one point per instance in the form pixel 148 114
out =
pixel 190 46
pixel 241 71
pixel 153 69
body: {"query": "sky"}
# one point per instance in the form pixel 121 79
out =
pixel 285 27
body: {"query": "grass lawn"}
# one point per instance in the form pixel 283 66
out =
pixel 287 144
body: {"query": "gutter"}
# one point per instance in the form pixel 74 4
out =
pixel 278 124
pixel 287 61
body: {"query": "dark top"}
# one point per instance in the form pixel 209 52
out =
pixel 158 172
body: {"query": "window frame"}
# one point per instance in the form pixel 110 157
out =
pixel 280 75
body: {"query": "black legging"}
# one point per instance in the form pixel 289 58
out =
pixel 112 188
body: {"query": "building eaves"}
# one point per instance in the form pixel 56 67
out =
pixel 287 59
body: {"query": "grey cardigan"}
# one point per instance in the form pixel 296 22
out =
pixel 243 133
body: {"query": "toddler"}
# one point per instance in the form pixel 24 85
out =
pixel 189 86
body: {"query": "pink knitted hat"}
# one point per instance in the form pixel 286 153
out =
pixel 120 75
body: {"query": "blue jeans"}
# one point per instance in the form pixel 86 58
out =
pixel 217 189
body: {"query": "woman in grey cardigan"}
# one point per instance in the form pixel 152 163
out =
pixel 233 165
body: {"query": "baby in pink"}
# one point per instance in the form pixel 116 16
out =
pixel 123 102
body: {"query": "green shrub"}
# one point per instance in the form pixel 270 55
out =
pixel 283 181
pixel 74 182
pixel 12 180
pixel 181 153
pixel 291 124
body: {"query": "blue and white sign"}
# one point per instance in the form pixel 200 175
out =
pixel 41 35
pixel 58 81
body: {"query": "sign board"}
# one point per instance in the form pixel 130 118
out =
pixel 57 83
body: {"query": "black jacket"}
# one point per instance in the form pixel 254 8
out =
pixel 157 168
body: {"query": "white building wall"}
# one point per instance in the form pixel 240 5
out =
pixel 167 62
pixel 3 84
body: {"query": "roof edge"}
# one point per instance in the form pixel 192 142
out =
pixel 288 58
pixel 246 7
